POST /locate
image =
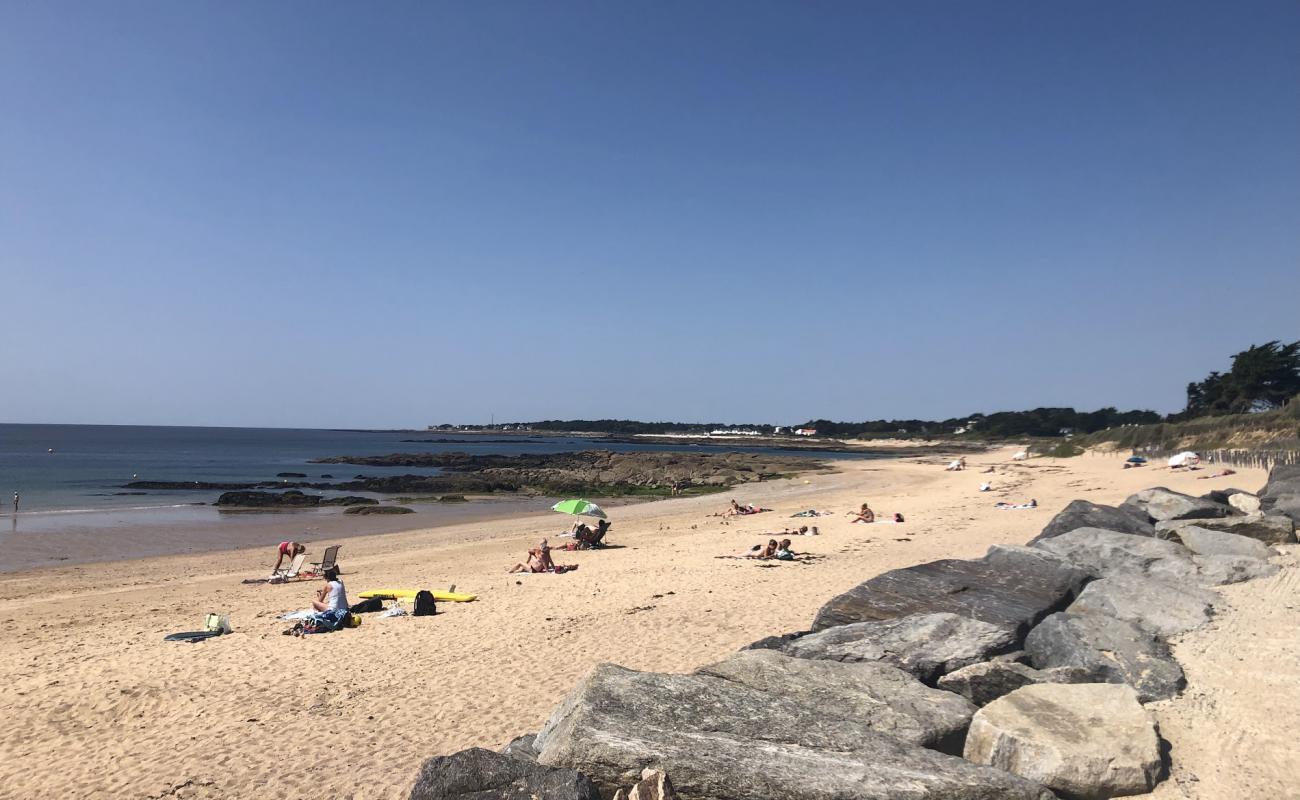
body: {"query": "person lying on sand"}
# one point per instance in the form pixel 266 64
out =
pixel 332 596
pixel 1223 473
pixel 957 465
pixel 864 514
pixel 1006 506
pixel 289 549
pixel 760 551
pixel 539 560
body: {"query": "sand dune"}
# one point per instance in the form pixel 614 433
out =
pixel 97 706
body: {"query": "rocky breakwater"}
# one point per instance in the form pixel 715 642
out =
pixel 1021 674
pixel 289 499
pixel 598 472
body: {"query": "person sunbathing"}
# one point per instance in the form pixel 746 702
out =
pixel 865 514
pixel 539 560
pixel 332 596
pixel 289 549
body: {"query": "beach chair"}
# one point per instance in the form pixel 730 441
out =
pixel 291 573
pixel 330 559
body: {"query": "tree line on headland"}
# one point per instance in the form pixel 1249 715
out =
pixel 1262 378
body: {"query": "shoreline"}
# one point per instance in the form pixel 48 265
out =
pixel 148 717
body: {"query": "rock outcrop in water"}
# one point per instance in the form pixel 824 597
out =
pixel 290 499
pixel 588 471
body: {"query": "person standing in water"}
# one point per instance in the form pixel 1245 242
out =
pixel 15 504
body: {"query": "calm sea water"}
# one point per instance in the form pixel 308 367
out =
pixel 90 464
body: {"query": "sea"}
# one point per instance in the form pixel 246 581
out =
pixel 74 505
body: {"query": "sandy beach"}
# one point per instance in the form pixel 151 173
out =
pixel 96 705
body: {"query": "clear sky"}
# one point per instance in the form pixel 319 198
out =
pixel 393 214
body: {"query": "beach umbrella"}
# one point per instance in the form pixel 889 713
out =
pixel 582 508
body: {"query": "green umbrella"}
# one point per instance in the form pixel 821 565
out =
pixel 580 507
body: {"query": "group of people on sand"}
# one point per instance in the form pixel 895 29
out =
pixel 539 560
pixel 737 510
pixel 584 538
pixel 779 551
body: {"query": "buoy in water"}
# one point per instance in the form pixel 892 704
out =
pixel 51 450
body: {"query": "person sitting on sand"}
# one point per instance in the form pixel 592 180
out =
pixel 734 510
pixel 956 466
pixel 539 560
pixel 865 514
pixel 289 549
pixel 332 596
pixel 783 551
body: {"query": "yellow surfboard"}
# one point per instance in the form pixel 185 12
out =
pixel 409 594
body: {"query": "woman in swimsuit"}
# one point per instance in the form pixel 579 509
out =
pixel 289 549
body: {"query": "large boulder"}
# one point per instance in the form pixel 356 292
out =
pixel 624 698
pixel 1244 502
pixel 1090 740
pixel 987 681
pixel 1103 553
pixel 1160 607
pixel 479 774
pixel 1161 504
pixel 926 645
pixel 1117 651
pixel 885 698
pixel 1205 541
pixel 612 732
pixel 1281 494
pixel 1083 514
pixel 1012 587
pixel 1267 528
pixel 1220 570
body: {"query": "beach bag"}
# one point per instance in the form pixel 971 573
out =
pixel 367 606
pixel 424 604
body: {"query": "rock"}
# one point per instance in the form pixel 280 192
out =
pixel 1208 542
pixel 1244 502
pixel 1115 650
pixel 1220 570
pixel 1222 496
pixel 290 499
pixel 367 510
pixel 1281 494
pixel 887 699
pixel 522 747
pixel 1012 587
pixel 1267 528
pixel 654 785
pixel 700 703
pixel 1104 553
pixel 1084 741
pixel 775 642
pixel 926 645
pixel 290 474
pixel 1083 514
pixel 1160 504
pixel 479 774
pixel 1162 608
pixel 987 681
pixel 349 500
pixel 616 723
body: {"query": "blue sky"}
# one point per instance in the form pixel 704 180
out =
pixel 346 214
